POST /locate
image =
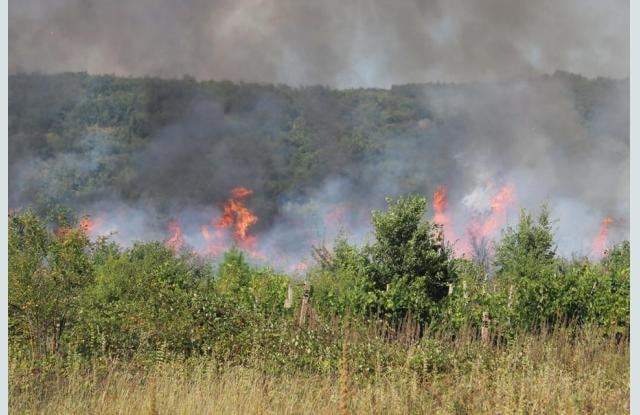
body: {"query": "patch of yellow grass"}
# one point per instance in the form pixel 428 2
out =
pixel 537 374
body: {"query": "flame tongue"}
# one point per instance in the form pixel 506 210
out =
pixel 237 214
pixel 86 225
pixel 498 216
pixel 175 240
pixel 441 216
pixel 482 229
pixel 600 242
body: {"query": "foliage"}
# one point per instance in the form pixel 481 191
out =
pixel 47 274
pixel 259 289
pixel 143 298
pixel 405 271
pixel 72 298
pixel 409 259
pixel 75 137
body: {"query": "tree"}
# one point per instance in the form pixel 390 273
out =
pixel 303 158
pixel 528 249
pixel 526 259
pixel 46 276
pixel 409 260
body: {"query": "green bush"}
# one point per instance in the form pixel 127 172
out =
pixel 73 298
pixel 143 299
pixel 405 271
pixel 47 274
pixel 257 288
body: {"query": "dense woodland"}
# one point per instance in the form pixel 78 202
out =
pixel 77 139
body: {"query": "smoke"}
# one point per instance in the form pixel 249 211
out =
pixel 540 136
pixel 535 135
pixel 337 43
pixel 558 139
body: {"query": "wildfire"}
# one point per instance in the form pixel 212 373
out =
pixel 299 267
pixel 215 242
pixel 235 216
pixel 86 226
pixel 600 242
pixel 482 230
pixel 335 217
pixel 441 217
pixel 175 240
pixel 479 229
pixel 498 216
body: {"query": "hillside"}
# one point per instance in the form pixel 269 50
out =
pixel 169 148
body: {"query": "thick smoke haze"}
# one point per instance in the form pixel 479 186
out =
pixel 336 43
pixel 558 139
pixel 472 138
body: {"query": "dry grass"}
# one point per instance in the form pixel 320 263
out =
pixel 537 374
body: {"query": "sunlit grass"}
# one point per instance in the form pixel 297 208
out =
pixel 544 373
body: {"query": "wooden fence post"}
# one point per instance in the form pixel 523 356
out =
pixel 450 288
pixel 288 302
pixel 305 303
pixel 485 328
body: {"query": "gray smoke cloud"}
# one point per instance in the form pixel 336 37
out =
pixel 515 127
pixel 535 135
pixel 332 42
pixel 474 139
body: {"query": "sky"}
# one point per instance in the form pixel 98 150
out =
pixel 360 43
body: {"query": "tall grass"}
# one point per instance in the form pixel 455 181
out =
pixel 555 371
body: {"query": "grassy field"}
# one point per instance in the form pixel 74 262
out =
pixel 557 372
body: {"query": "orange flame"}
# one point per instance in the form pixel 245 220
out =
pixel 240 192
pixel 299 267
pixel 600 242
pixel 236 216
pixel 335 216
pixel 215 245
pixel 440 216
pixel 484 229
pixel 499 204
pixel 86 226
pixel 236 213
pixel 176 240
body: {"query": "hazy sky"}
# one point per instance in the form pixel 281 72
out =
pixel 332 42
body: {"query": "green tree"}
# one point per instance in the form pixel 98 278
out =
pixel 409 260
pixel 46 276
pixel 250 286
pixel 303 158
pixel 525 259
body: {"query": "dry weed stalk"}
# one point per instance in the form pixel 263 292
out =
pixel 344 375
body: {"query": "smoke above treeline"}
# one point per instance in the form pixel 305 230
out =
pixel 330 42
pixel 278 170
pixel 449 99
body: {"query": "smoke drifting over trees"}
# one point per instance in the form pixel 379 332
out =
pixel 150 151
pixel 337 43
pixel 146 152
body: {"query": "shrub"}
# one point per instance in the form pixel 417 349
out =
pixel 47 273
pixel 143 299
